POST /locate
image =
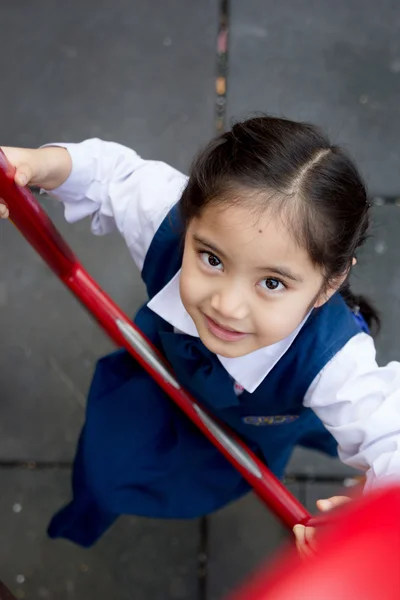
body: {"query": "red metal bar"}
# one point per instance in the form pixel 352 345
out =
pixel 35 225
pixel 5 593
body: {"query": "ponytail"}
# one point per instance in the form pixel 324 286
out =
pixel 361 304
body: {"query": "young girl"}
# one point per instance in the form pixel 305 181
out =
pixel 246 264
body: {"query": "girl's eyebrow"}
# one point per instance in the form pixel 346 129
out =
pixel 282 271
pixel 204 242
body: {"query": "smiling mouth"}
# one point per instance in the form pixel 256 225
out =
pixel 223 333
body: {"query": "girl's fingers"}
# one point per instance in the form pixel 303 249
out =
pixel 310 537
pixel 305 536
pixel 23 175
pixel 329 503
pixel 300 534
pixel 3 211
pixel 305 543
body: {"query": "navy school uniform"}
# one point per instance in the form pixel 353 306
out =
pixel 139 454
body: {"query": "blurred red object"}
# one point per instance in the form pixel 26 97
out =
pixel 358 558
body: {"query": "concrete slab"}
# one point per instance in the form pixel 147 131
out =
pixel 377 276
pixel 337 68
pixel 49 343
pixel 314 464
pixel 138 558
pixel 138 74
pixel 241 537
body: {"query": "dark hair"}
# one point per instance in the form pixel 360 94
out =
pixel 294 167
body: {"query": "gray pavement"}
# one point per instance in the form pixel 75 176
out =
pixel 334 64
pixel 138 558
pixel 143 74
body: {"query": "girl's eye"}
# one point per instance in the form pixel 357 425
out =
pixel 272 285
pixel 210 260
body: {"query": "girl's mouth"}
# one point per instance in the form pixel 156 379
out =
pixel 227 335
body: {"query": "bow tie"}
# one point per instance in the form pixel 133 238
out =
pixel 198 370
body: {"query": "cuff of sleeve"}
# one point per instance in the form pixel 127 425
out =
pixel 73 192
pixel 82 174
pixel 384 471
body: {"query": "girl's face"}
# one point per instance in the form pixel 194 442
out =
pixel 245 282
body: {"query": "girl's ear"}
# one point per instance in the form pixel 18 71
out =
pixel 328 292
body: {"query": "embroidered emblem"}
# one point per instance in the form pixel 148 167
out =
pixel 238 389
pixel 270 420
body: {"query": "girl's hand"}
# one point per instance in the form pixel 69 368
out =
pixel 46 167
pixel 305 536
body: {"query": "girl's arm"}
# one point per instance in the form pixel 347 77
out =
pixel 359 403
pixel 119 190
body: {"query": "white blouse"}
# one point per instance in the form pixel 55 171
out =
pixel 358 402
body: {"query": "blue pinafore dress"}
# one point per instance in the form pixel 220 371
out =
pixel 139 454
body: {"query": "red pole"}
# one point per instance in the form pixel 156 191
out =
pixel 35 225
pixel 5 593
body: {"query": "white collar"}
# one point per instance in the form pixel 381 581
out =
pixel 249 370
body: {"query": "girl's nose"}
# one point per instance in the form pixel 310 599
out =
pixel 229 302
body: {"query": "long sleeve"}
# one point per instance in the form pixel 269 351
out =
pixel 359 403
pixel 119 190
